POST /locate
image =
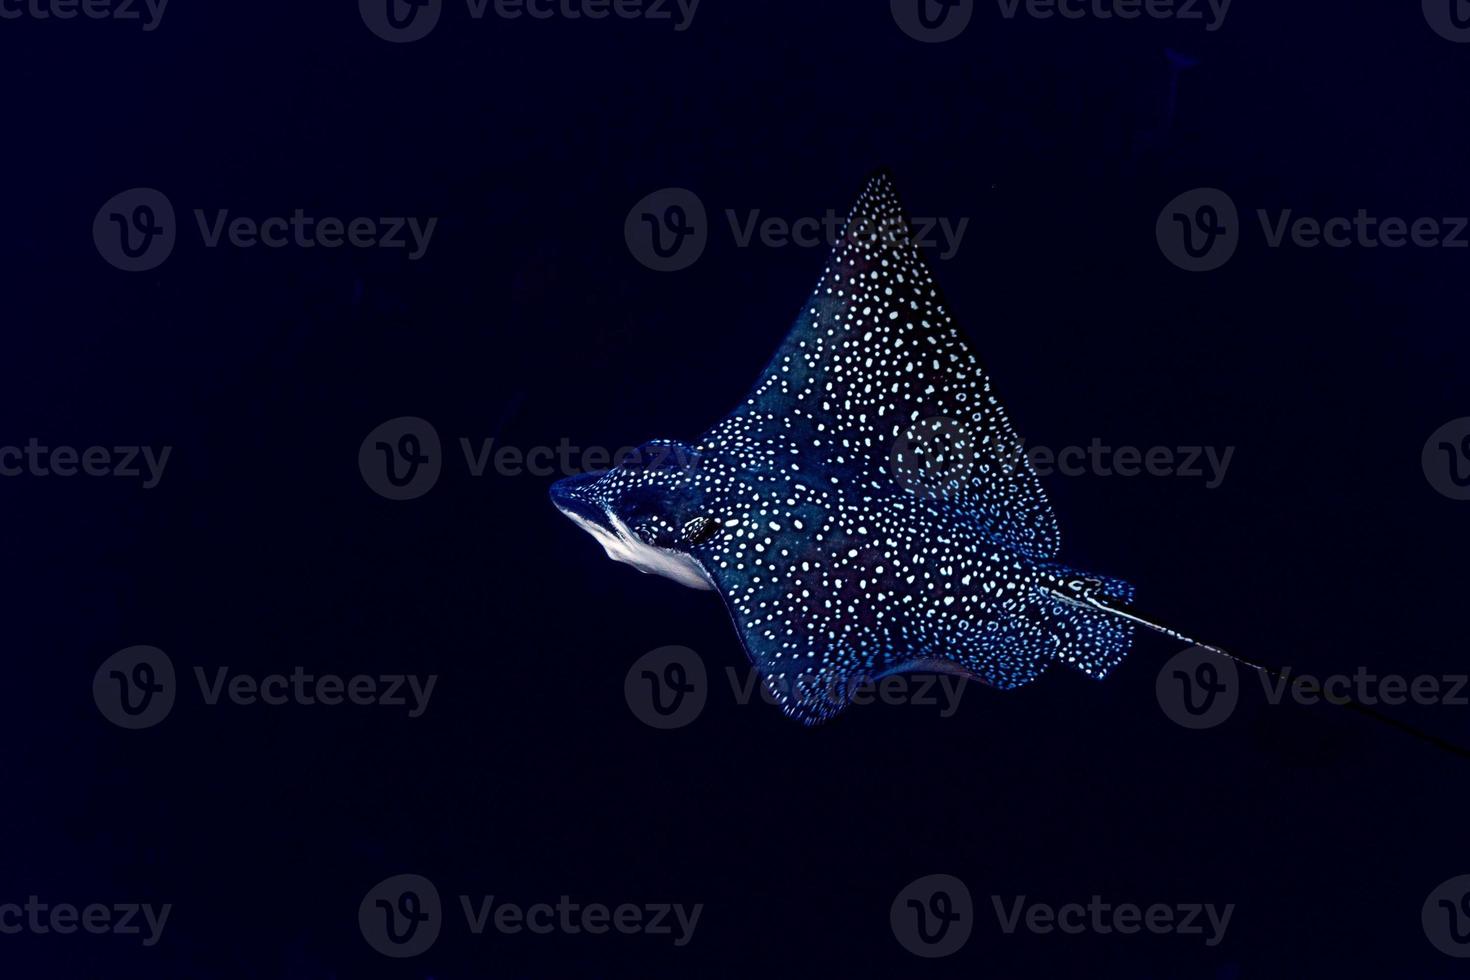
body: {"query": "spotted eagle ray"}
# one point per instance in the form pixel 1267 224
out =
pixel 868 510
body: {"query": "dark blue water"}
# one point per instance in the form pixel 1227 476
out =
pixel 528 320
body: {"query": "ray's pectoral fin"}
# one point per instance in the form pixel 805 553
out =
pixel 875 363
pixel 1083 617
pixel 871 453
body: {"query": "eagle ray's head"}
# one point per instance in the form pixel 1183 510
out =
pixel 647 511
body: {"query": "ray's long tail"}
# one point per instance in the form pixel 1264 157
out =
pixel 1089 593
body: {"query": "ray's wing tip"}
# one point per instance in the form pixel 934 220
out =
pixel 881 175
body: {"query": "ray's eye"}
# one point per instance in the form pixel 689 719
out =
pixel 700 530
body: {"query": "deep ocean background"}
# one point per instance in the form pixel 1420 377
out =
pixel 529 321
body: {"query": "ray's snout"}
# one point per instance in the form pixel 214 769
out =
pixel 574 496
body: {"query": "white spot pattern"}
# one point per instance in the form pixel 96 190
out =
pixel 869 506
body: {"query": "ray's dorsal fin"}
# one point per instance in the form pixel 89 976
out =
pixel 876 376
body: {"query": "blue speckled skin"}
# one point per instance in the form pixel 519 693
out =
pixel 867 509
